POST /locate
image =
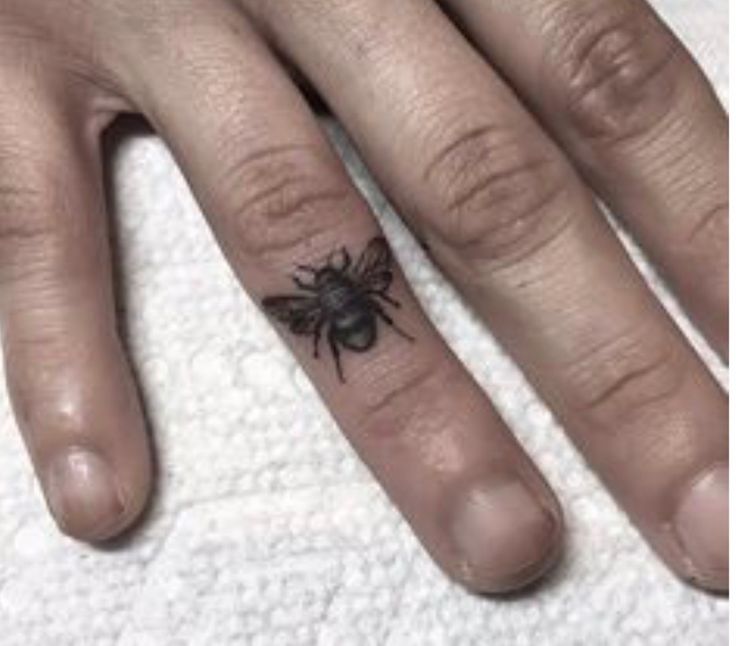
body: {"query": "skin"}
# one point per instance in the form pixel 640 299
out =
pixel 492 133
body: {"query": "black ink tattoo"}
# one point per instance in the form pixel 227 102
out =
pixel 345 297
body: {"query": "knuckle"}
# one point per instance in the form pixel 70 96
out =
pixel 495 194
pixel 24 215
pixel 710 228
pixel 616 71
pixel 21 216
pixel 279 197
pixel 625 377
pixel 31 234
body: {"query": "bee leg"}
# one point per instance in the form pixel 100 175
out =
pixel 385 297
pixel 317 339
pixel 346 259
pixel 336 356
pixel 390 322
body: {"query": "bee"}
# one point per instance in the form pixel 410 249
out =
pixel 344 297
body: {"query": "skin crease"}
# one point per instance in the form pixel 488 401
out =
pixel 500 191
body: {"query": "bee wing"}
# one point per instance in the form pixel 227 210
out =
pixel 301 313
pixel 373 269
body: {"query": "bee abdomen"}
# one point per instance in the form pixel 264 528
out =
pixel 355 331
pixel 360 339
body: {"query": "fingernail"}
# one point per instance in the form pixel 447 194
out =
pixel 504 533
pixel 83 495
pixel 701 523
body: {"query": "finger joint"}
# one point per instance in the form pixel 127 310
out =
pixel 32 231
pixel 624 377
pixel 498 196
pixel 280 197
pixel 614 68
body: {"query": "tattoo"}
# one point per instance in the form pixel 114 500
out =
pixel 345 297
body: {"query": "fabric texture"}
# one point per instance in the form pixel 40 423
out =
pixel 266 529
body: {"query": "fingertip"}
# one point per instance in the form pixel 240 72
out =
pixel 700 528
pixel 91 499
pixel 507 536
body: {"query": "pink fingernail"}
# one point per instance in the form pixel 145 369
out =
pixel 504 533
pixel 83 494
pixel 701 522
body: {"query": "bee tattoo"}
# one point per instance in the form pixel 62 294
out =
pixel 345 297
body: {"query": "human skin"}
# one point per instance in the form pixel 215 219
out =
pixel 492 153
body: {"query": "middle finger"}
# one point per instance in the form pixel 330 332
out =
pixel 508 219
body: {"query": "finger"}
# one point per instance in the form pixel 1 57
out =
pixel 626 100
pixel 285 213
pixel 70 386
pixel 506 217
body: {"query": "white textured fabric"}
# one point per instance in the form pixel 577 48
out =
pixel 266 529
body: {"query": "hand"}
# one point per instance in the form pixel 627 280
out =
pixel 503 201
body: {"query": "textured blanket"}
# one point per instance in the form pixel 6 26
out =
pixel 266 529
